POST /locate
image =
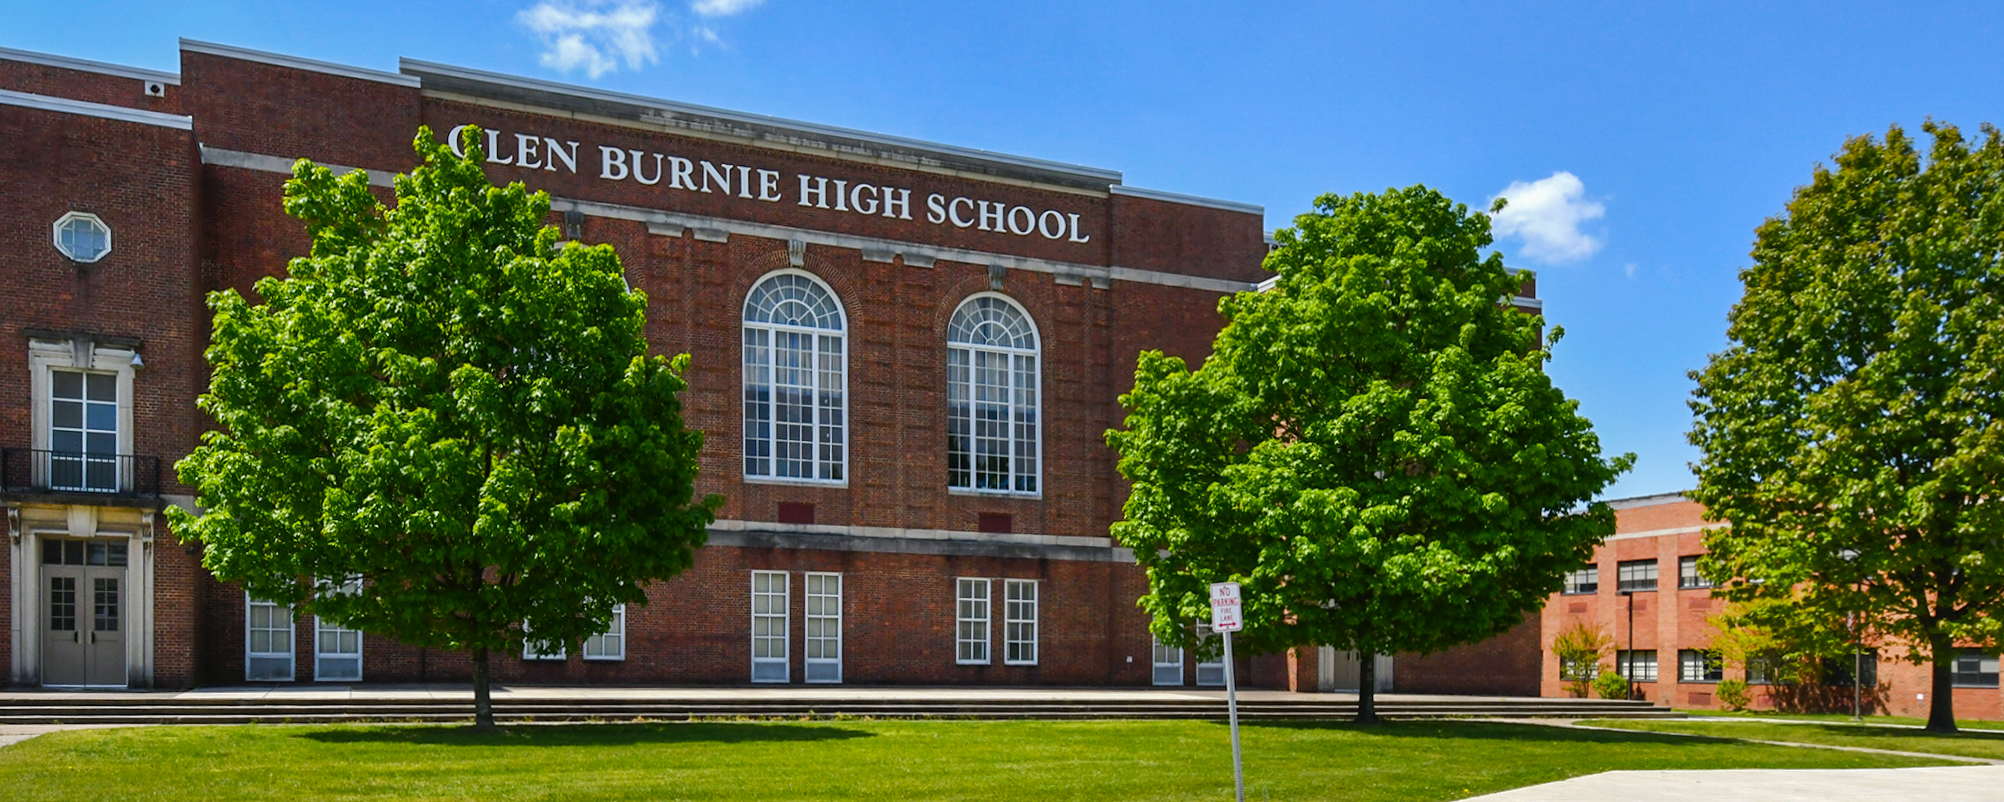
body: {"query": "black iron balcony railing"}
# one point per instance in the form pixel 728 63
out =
pixel 35 470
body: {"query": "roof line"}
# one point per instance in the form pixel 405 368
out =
pixel 86 65
pixel 106 111
pixel 1190 200
pixel 295 62
pixel 409 65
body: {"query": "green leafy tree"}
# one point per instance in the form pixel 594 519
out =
pixel 1853 430
pixel 1372 449
pixel 1580 649
pixel 444 404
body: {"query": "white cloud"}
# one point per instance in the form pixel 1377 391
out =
pixel 1547 214
pixel 594 34
pixel 722 8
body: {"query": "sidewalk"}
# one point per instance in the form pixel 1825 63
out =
pixel 1942 784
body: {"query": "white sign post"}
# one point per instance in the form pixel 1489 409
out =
pixel 1225 618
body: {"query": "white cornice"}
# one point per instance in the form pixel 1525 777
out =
pixel 295 62
pixel 1188 200
pixel 109 112
pixel 801 132
pixel 86 65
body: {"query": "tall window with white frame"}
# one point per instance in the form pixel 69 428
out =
pixel 1168 664
pixel 610 644
pixel 823 661
pixel 83 431
pixel 1212 671
pixel 1019 622
pixel 337 650
pixel 267 641
pixel 970 626
pixel 795 381
pixel 993 440
pixel 768 620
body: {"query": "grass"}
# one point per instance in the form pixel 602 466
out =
pixel 1973 743
pixel 1967 724
pixel 874 760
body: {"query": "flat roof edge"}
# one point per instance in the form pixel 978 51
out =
pixel 295 62
pixel 1077 175
pixel 1188 200
pixel 65 105
pixel 1649 501
pixel 86 65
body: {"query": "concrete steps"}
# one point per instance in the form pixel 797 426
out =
pixel 184 709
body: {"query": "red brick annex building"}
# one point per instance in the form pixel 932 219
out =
pixel 905 355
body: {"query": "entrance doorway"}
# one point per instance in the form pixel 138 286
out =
pixel 83 612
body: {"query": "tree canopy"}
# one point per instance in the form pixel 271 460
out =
pixel 1372 448
pixel 1851 431
pixel 442 402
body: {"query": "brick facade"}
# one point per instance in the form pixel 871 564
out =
pixel 190 184
pixel 1670 619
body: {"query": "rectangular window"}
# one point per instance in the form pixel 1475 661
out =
pixel 83 431
pixel 769 620
pixel 1698 665
pixel 534 650
pixel 1637 666
pixel 337 650
pixel 1574 670
pixel 992 441
pixel 970 626
pixel 758 402
pixel 1168 664
pixel 1636 575
pixel 1688 577
pixel 1210 672
pixel 1584 580
pixel 610 644
pixel 1837 671
pixel 1761 669
pixel 267 641
pixel 1974 669
pixel 1019 622
pixel 824 627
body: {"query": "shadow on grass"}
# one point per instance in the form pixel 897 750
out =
pixel 1493 731
pixel 572 735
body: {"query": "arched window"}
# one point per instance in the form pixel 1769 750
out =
pixel 992 433
pixel 795 392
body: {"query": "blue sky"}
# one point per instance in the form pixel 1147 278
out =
pixel 1644 141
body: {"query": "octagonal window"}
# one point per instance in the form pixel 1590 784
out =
pixel 83 237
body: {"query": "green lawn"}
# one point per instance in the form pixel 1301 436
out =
pixel 1978 743
pixel 1967 724
pixel 876 760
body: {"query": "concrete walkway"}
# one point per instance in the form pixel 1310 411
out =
pixel 1943 784
pixel 464 693
pixel 11 734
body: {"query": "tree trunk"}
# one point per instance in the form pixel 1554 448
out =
pixel 483 699
pixel 1941 707
pixel 1367 688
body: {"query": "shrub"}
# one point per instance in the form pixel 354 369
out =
pixel 1580 649
pixel 1733 694
pixel 1610 685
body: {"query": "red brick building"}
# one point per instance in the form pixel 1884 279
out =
pixel 1652 556
pixel 905 355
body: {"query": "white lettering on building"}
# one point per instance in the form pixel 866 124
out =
pixel 536 152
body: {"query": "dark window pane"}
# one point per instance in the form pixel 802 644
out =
pixel 73 552
pixel 117 557
pixel 102 387
pixel 68 415
pixel 69 384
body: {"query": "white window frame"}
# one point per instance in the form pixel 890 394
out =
pixel 57 235
pixel 962 388
pixel 757 369
pixel 290 656
pixel 45 356
pixel 973 606
pixel 323 631
pixel 1625 664
pixel 1210 673
pixel 823 669
pixel 1576 580
pixel 610 644
pixel 1014 646
pixel 1161 655
pixel 783 638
